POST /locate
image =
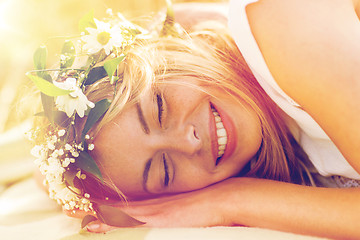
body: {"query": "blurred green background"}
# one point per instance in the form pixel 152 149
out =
pixel 25 24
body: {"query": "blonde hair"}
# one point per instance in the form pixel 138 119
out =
pixel 210 55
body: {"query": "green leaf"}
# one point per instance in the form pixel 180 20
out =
pixel 113 216
pixel 59 117
pixel 95 74
pixel 87 21
pixel 67 54
pixel 44 75
pixel 114 79
pixel 95 114
pixel 112 64
pixel 87 163
pixel 69 177
pixel 48 106
pixel 40 56
pixel 47 101
pixel 88 219
pixel 47 87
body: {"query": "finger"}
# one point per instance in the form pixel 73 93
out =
pixel 99 227
pixel 76 213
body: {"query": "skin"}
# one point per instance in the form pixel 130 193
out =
pixel 314 57
pixel 184 137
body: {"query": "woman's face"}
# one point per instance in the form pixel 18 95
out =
pixel 178 138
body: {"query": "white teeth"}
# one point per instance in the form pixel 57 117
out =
pixel 221 133
pixel 222 140
pixel 221 147
pixel 219 125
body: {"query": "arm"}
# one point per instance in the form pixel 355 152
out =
pixel 252 202
pixel 313 51
pixel 287 207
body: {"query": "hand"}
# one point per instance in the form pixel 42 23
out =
pixel 200 208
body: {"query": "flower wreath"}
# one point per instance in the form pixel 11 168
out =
pixel 59 157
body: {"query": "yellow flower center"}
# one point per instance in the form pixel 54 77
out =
pixel 103 38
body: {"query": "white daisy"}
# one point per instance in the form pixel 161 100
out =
pixel 74 101
pixel 102 37
pixel 36 151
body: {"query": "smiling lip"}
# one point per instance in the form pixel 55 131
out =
pixel 231 135
pixel 213 135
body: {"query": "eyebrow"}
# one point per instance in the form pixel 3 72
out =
pixel 143 123
pixel 146 174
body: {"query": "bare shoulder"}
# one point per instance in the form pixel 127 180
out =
pixel 298 35
pixel 312 49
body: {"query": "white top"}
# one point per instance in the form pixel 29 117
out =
pixel 322 152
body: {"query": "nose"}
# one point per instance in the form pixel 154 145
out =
pixel 181 139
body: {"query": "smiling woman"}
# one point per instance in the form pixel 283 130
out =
pixel 175 128
pixel 182 144
pixel 171 126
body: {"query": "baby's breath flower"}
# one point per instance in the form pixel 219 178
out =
pixel 67 206
pixel 38 162
pixel 75 154
pixel 61 132
pixel 51 146
pixel 54 138
pixel 66 162
pixel 61 152
pixel 68 147
pixel 36 151
pixel 91 146
pixel 109 11
pixel 55 154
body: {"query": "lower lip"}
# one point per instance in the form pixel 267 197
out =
pixel 231 134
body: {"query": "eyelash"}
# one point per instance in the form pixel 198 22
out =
pixel 160 104
pixel 166 170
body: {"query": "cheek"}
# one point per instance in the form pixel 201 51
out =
pixel 190 178
pixel 254 132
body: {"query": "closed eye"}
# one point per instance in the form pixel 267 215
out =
pixel 166 170
pixel 160 104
